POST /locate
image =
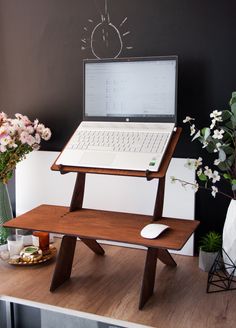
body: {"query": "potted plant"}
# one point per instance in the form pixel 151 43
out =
pixel 219 139
pixel 210 245
pixel 18 137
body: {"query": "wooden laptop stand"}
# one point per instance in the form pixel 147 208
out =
pixel 90 225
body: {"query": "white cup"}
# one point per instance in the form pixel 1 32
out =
pixel 15 244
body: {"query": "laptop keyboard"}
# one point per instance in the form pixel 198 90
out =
pixel 119 141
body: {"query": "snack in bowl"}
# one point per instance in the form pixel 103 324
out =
pixel 31 254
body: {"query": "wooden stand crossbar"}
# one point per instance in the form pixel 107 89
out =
pixel 90 225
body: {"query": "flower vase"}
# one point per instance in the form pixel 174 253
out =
pixel 229 238
pixel 5 212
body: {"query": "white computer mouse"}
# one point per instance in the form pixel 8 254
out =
pixel 153 230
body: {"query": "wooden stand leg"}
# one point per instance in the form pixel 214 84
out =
pixel 93 245
pixel 64 262
pixel 150 270
pixel 165 257
pixel 148 276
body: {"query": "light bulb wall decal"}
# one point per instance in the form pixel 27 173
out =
pixel 106 39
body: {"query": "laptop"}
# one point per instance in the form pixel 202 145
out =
pixel 129 114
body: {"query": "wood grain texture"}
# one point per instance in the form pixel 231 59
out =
pixel 159 202
pixel 78 193
pixel 179 299
pixel 93 245
pixel 104 225
pixel 161 173
pixel 164 256
pixel 148 276
pixel 64 262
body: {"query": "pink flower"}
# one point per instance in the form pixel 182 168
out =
pixel 37 138
pixel 46 134
pixel 30 129
pixel 5 140
pixel 23 118
pixel 2 148
pixel 24 137
pixel 30 140
pixel 40 128
pixel 3 117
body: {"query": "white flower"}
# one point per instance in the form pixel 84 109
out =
pixel 218 145
pixel 213 123
pixel 192 129
pixel 217 161
pixel 188 119
pixel 195 186
pixel 214 191
pixel 216 115
pixel 199 172
pixel 208 172
pixel 189 164
pixel 215 176
pixel 205 144
pixel 198 162
pixel 218 134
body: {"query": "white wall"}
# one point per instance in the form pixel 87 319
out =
pixel 36 184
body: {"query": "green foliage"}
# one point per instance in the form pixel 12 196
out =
pixel 10 158
pixel 211 242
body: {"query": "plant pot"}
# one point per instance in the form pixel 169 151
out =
pixel 229 238
pixel 206 260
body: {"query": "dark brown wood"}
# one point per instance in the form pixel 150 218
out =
pixel 113 226
pixel 64 262
pixel 90 225
pixel 158 209
pixel 148 276
pixel 93 245
pixel 78 194
pixel 164 256
pixel 161 173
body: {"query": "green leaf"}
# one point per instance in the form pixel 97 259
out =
pixel 196 136
pixel 233 119
pixel 233 182
pixel 228 150
pixel 233 98
pixel 226 114
pixel 229 125
pixel 222 155
pixel 207 133
pixel 223 166
pixel 227 176
pixel 233 108
pixel 202 177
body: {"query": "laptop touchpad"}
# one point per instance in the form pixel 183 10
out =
pixel 97 158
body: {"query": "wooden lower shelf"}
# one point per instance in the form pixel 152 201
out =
pixel 104 225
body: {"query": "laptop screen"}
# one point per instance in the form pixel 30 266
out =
pixel 131 89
